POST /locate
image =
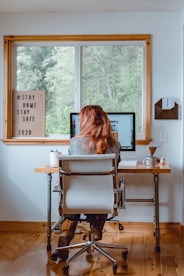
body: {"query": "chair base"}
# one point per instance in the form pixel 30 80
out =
pixel 89 247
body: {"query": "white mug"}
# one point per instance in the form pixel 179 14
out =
pixel 150 161
pixel 54 161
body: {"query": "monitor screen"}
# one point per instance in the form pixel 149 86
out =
pixel 123 127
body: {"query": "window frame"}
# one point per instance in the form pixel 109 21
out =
pixel 8 76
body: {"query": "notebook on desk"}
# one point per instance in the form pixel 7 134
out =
pixel 128 163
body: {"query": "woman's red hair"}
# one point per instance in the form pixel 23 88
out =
pixel 96 128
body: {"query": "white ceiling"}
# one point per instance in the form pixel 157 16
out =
pixel 45 6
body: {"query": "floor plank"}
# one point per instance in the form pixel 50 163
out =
pixel 24 254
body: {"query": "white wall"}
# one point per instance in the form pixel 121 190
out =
pixel 182 91
pixel 23 193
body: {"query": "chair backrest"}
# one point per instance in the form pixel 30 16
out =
pixel 88 183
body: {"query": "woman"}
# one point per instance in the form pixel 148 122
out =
pixel 95 137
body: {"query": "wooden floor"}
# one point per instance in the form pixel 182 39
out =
pixel 24 253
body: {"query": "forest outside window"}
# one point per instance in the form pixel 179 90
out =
pixel 60 74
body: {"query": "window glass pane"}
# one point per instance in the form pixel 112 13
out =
pixel 109 73
pixel 49 68
pixel 112 76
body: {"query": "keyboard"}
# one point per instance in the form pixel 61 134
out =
pixel 128 163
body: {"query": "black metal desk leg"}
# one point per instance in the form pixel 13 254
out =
pixel 49 179
pixel 157 227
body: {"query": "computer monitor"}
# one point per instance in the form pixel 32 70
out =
pixel 123 127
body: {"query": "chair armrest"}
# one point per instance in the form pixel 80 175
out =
pixel 121 190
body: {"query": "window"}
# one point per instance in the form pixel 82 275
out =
pixel 110 70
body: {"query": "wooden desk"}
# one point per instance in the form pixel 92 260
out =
pixel 49 171
pixel 140 168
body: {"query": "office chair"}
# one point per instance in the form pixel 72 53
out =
pixel 88 184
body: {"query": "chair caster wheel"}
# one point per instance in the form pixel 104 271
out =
pixel 121 227
pixel 54 256
pixel 124 255
pixel 115 268
pixel 65 269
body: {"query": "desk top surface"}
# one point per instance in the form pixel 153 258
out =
pixel 140 168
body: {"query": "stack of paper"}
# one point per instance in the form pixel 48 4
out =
pixel 128 163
